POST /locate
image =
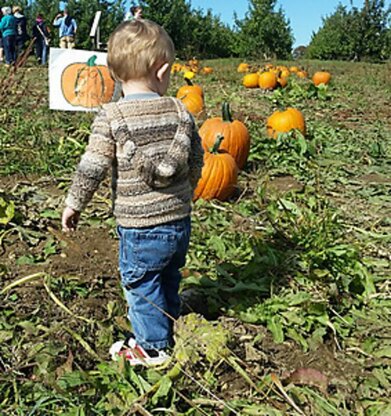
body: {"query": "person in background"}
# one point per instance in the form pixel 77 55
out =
pixel 68 29
pixel 134 13
pixel 41 34
pixel 8 31
pixel 1 41
pixel 21 29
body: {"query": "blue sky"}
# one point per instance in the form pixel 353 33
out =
pixel 305 15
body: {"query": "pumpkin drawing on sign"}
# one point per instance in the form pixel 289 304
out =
pixel 87 84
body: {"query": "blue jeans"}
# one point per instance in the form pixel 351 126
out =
pixel 150 259
pixel 9 45
pixel 41 51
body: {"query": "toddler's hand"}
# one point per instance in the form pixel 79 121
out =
pixel 70 218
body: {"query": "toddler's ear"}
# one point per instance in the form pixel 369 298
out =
pixel 162 71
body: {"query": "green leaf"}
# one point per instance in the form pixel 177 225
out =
pixel 51 214
pixel 383 352
pixel 7 211
pixel 73 379
pixel 275 327
pixel 26 260
pixel 165 385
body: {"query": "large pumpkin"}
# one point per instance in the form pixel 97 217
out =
pixel 321 77
pixel 251 80
pixel 87 84
pixel 193 102
pixel 190 87
pixel 267 80
pixel 285 121
pixel 236 137
pixel 219 174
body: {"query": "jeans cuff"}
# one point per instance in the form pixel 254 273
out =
pixel 158 345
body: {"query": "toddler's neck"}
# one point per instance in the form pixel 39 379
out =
pixel 137 87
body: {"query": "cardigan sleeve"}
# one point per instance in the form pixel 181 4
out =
pixel 94 164
pixel 196 158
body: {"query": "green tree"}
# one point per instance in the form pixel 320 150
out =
pixel 209 36
pixel 353 34
pixel 174 16
pixel 264 32
pixel 193 32
pixel 333 40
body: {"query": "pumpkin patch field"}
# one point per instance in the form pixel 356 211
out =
pixel 286 291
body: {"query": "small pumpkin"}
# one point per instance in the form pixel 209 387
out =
pixel 207 70
pixel 282 81
pixel 236 137
pixel 243 67
pixel 285 121
pixel 193 102
pixel 267 80
pixel 219 174
pixel 321 77
pixel 302 74
pixel 190 87
pixel 285 73
pixel 176 67
pixel 87 84
pixel 294 69
pixel 251 80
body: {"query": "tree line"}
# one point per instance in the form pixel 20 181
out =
pixel 264 32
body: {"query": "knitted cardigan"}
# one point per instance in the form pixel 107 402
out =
pixel 156 157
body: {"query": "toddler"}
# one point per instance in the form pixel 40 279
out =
pixel 152 145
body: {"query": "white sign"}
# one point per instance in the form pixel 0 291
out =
pixel 79 80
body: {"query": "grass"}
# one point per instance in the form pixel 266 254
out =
pixel 292 273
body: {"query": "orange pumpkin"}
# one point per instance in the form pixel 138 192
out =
pixel 268 80
pixel 269 66
pixel 251 80
pixel 294 69
pixel 236 137
pixel 285 121
pixel 176 67
pixel 243 67
pixel 282 82
pixel 190 87
pixel 207 70
pixel 285 73
pixel 87 84
pixel 321 77
pixel 193 102
pixel 219 174
pixel 302 74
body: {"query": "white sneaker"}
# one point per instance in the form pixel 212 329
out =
pixel 137 355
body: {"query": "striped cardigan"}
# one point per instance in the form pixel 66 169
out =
pixel 156 157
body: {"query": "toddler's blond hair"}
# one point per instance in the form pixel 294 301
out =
pixel 136 48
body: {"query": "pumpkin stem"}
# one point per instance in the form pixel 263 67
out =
pixel 92 60
pixel 215 148
pixel 188 81
pixel 226 112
